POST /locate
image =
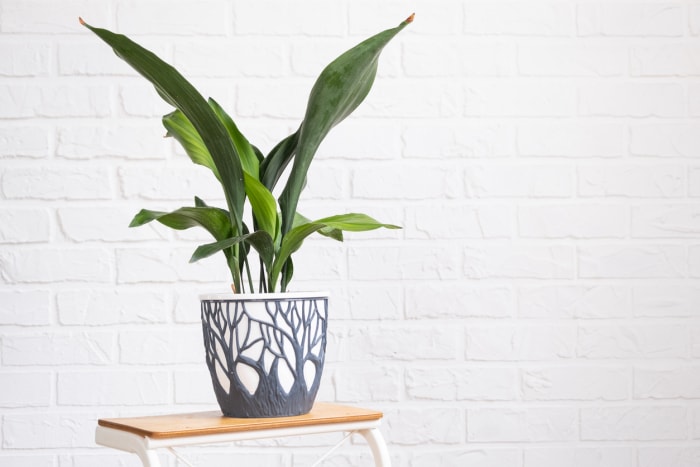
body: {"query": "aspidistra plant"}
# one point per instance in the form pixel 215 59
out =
pixel 210 138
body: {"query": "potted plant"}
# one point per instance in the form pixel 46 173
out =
pixel 264 347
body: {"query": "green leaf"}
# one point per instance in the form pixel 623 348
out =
pixel 178 92
pixel 246 153
pixel 180 128
pixel 214 220
pixel 260 240
pixel 340 88
pixel 335 234
pixel 295 238
pixel 263 204
pixel 273 166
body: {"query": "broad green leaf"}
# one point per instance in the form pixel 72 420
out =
pixel 246 153
pixel 293 240
pixel 273 166
pixel 335 234
pixel 260 240
pixel 214 220
pixel 263 204
pixel 178 92
pixel 340 88
pixel 180 128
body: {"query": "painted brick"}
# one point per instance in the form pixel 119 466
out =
pixel 91 57
pixel 54 348
pixel 112 140
pixel 24 141
pixel 156 347
pixel 24 225
pixel 25 307
pixel 361 142
pixel 671 456
pixel 633 423
pixel 389 262
pixel 571 60
pixel 571 140
pixel 496 457
pixel 575 383
pixel 459 58
pixel 467 221
pixel 376 383
pixel 695 19
pixel 25 389
pixel 566 302
pixel 106 388
pixel 532 262
pixel 667 383
pixel 665 140
pixel 36 16
pixel 53 183
pixel 54 101
pixel 527 424
pixel 535 181
pixel 665 221
pixel 630 19
pixel 473 384
pixel 535 18
pixel 573 221
pixel 289 19
pixel 371 302
pixel 455 300
pixel 368 17
pixel 633 99
pixel 468 140
pixel 48 430
pixel 382 342
pixel 56 265
pixel 665 301
pixel 413 182
pixel 91 307
pixel 628 262
pixel 665 60
pixel 694 99
pixel 326 183
pixel 178 183
pixel 520 343
pixel 179 18
pixel 580 456
pixel 409 427
pixel 318 262
pixel 193 387
pixel 140 100
pixel 510 98
pixel 106 224
pixel 659 181
pixel 166 265
pixel 694 181
pixel 394 99
pixel 27 460
pixel 242 58
pixel 633 341
pixel 24 59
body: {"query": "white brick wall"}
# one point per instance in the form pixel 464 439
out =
pixel 540 308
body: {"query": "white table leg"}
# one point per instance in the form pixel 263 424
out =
pixel 376 443
pixel 128 442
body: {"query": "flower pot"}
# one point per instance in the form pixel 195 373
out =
pixel 265 352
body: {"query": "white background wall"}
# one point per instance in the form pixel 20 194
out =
pixel 540 308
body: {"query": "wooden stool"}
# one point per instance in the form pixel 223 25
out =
pixel 143 435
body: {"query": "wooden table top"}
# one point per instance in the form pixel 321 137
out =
pixel 209 423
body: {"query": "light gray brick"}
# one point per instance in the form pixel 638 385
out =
pixel 358 384
pixel 56 265
pixel 665 140
pixel 630 261
pixel 665 60
pixel 512 18
pixel 468 140
pixel 520 343
pixel 24 225
pixel 665 221
pixel 580 456
pixel 633 99
pixel 566 302
pixel 53 183
pixel 24 59
pixel 91 307
pixel 657 181
pixel 54 348
pixel 25 389
pixel 496 457
pixel 25 307
pixel 575 383
pixel 455 300
pixel 368 263
pixel 573 221
pixel 633 423
pixel 106 224
pixel 630 19
pixel 527 424
pixel 467 221
pixel 413 427
pixel 670 456
pixel 24 141
pixel 510 98
pixel 48 430
pixel 112 140
pixel 519 262
pixel 571 140
pixel 633 341
pixel 108 388
pixel 666 301
pixel 572 60
pixel 677 382
pixel 161 347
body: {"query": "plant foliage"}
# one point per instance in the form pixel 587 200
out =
pixel 211 138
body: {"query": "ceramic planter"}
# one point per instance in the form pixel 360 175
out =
pixel 265 352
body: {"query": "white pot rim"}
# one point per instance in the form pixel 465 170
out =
pixel 264 296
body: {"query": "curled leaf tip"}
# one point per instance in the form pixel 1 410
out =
pixel 410 18
pixel 82 21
